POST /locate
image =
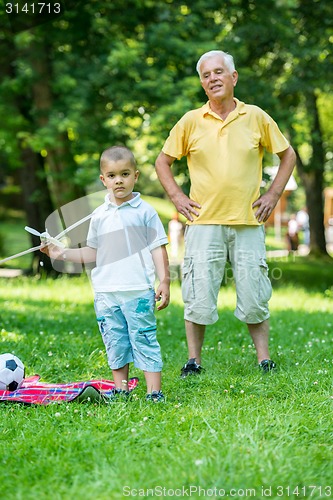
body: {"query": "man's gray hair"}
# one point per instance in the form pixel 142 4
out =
pixel 229 60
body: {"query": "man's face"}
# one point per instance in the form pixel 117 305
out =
pixel 216 79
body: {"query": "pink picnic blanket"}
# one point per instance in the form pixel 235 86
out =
pixel 32 391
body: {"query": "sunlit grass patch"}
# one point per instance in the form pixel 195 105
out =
pixel 231 427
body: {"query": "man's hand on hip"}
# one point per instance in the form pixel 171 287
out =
pixel 186 206
pixel 266 204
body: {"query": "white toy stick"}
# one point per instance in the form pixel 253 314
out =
pixel 73 226
pixel 46 238
pixel 34 249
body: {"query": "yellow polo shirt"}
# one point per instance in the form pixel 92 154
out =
pixel 224 158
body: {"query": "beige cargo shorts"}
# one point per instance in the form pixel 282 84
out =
pixel 207 249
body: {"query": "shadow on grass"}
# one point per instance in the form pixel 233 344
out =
pixel 307 272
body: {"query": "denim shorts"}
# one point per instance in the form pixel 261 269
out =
pixel 208 248
pixel 127 324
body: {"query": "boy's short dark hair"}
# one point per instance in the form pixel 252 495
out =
pixel 116 153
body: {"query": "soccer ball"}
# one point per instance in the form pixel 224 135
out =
pixel 11 372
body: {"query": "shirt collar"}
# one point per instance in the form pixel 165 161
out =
pixel 240 108
pixel 133 202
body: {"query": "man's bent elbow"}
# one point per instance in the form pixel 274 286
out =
pixel 163 161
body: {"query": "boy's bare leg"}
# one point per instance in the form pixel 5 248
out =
pixel 260 336
pixel 120 377
pixel 195 334
pixel 153 381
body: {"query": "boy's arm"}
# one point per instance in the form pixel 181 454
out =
pixel 84 255
pixel 161 262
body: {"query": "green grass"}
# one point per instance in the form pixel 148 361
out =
pixel 230 428
pixel 14 239
pixel 164 208
pixel 307 272
pixel 273 243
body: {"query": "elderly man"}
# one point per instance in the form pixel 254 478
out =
pixel 224 141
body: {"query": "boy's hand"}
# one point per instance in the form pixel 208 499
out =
pixel 162 294
pixel 53 251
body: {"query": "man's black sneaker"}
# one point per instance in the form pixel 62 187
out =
pixel 191 368
pixel 156 397
pixel 267 365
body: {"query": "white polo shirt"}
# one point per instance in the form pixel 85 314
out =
pixel 124 237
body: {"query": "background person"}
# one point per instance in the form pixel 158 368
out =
pixel 292 234
pixel 302 218
pixel 224 142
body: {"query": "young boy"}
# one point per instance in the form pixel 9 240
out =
pixel 127 241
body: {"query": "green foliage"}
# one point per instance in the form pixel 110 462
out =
pixel 2 243
pixel 118 75
pixel 102 74
pixel 229 428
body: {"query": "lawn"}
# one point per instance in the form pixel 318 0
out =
pixel 231 431
pixel 14 239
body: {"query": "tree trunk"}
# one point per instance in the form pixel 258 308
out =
pixel 59 160
pixel 313 185
pixel 36 200
pixel 312 176
pixel 36 203
pixel 38 194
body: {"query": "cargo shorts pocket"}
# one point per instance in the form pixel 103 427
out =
pixel 188 280
pixel 265 286
pixel 147 335
pixel 100 310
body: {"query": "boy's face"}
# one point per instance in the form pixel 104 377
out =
pixel 120 177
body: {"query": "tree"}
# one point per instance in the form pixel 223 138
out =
pixel 36 199
pixel 101 74
pixel 311 77
pixel 289 68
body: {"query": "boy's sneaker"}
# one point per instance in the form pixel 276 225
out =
pixel 156 397
pixel 267 365
pixel 191 368
pixel 117 395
